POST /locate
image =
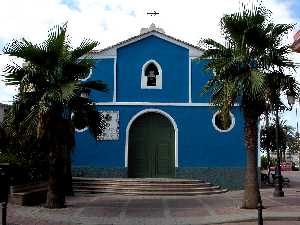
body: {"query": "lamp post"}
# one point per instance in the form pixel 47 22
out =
pixel 278 192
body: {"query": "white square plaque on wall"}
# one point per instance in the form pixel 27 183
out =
pixel 111 132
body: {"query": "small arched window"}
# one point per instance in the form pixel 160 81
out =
pixel 151 77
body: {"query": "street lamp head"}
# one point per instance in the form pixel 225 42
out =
pixel 85 93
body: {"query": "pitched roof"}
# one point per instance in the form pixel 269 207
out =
pixel 194 51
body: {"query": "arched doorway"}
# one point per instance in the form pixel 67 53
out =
pixel 151 149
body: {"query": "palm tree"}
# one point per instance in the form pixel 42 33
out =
pixel 250 70
pixel 49 97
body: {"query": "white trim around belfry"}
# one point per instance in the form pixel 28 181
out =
pixel 171 119
pixel 158 78
pixel 217 128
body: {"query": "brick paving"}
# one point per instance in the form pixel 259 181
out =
pixel 132 210
pixel 266 223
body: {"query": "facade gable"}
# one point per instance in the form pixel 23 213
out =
pixel 111 51
pixel 179 78
pixel 173 61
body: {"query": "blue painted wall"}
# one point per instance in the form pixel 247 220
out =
pixel 199 144
pixel 103 70
pixel 173 60
pixel 130 60
pixel 199 79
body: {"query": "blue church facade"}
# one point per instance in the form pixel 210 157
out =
pixel 159 125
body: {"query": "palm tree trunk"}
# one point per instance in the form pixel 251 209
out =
pixel 56 192
pixel 56 146
pixel 69 145
pixel 251 192
pixel 68 174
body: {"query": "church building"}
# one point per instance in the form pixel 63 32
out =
pixel 159 125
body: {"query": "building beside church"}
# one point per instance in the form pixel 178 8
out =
pixel 159 123
pixel 295 158
pixel 296 44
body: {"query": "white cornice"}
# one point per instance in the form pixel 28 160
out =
pixel 156 104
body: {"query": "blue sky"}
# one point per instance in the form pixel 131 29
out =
pixel 72 4
pixel 111 21
pixel 294 7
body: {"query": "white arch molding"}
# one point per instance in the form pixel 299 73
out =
pixel 171 119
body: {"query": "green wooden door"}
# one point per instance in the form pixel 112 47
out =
pixel 151 147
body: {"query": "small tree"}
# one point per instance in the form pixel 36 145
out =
pixel 267 138
pixel 265 163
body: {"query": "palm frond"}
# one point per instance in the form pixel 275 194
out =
pixel 95 85
pixel 86 46
pixel 85 114
pixel 253 59
pixel 30 123
pixel 26 50
pixel 14 74
pixel 78 70
pixel 57 43
pixel 69 90
pixel 255 85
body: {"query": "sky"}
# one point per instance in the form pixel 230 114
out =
pixel 111 21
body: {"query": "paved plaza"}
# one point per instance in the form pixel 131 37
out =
pixel 130 210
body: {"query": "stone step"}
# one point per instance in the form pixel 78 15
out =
pixel 156 193
pixel 137 180
pixel 140 184
pixel 134 188
pixel 146 186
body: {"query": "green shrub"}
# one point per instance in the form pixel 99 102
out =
pixel 264 162
pixel 28 162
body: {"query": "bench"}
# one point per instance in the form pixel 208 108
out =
pixel 29 194
pixel 285 180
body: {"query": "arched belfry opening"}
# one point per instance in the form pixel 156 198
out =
pixel 151 72
pixel 151 77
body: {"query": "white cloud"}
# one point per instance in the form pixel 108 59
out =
pixel 111 21
pixel 189 20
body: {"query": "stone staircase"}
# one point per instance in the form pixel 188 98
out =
pixel 144 186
